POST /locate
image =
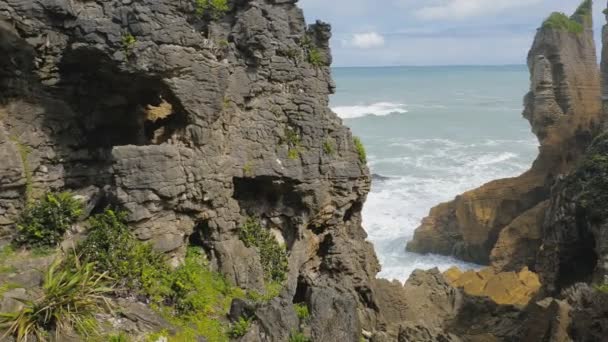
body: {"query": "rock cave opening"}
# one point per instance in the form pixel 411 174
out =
pixel 273 200
pixel 116 107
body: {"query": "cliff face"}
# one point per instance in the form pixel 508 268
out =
pixel 192 124
pixel 501 222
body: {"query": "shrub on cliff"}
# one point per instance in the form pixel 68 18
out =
pixel 560 21
pixel 213 8
pixel 314 57
pixel 43 223
pixel 360 150
pixel 272 254
pixel 135 265
pixel 72 293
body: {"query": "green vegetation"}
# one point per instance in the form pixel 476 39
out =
pixel 602 288
pixel 293 153
pixel 44 223
pixel 301 310
pixel 121 337
pixel 272 290
pixel 360 150
pixel 213 8
pixel 7 252
pixel 71 295
pixel 328 146
pixel 297 336
pixel 240 328
pixel 583 10
pixel 128 42
pixel 157 335
pixel 293 141
pixel 135 265
pixel 4 269
pixel 248 169
pixel 4 288
pixel 314 57
pixel 272 255
pixel 24 153
pixel 560 21
pixel 588 185
pixel 191 297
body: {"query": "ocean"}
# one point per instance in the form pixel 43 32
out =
pixel 434 132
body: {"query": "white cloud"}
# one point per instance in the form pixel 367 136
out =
pixel 367 40
pixel 460 9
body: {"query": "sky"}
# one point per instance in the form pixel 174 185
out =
pixel 435 32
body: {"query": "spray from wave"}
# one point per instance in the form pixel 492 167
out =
pixel 377 109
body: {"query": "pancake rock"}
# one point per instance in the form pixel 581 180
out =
pixel 500 222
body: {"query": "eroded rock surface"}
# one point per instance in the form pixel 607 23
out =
pixel 192 125
pixel 490 223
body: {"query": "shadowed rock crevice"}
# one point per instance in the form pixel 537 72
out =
pixel 114 107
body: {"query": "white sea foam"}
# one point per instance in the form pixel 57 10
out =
pixel 428 172
pixel 377 109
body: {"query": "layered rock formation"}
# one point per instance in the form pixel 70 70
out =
pixel 192 124
pixel 501 222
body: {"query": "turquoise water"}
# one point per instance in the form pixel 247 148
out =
pixel 435 132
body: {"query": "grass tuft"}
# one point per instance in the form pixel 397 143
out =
pixel 360 150
pixel 72 293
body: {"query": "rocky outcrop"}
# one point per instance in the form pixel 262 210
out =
pixel 494 222
pixel 192 124
pixel 505 288
pixel 575 240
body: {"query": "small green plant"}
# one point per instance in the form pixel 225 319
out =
pixel 328 147
pixel 128 42
pixel 301 310
pixel 72 293
pixel 7 252
pixel 314 57
pixel 560 21
pixel 306 42
pixel 298 336
pixel 213 8
pixel 360 149
pixel 293 153
pixel 248 169
pixel 272 254
pixel 44 223
pixel 240 328
pixel 154 337
pixel 120 337
pixel 292 138
pixel 293 141
pixel 602 288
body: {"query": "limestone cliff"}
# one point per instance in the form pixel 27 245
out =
pixel 192 124
pixel 500 222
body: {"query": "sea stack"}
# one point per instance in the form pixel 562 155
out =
pixel 500 223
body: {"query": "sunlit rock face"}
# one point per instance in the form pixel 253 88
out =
pixel 500 223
